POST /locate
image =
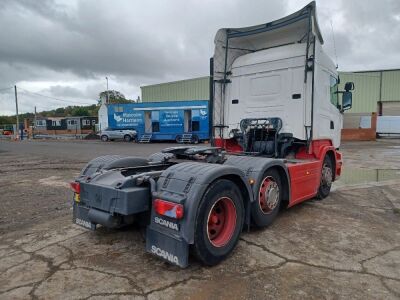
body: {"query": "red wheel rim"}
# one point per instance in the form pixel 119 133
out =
pixel 268 196
pixel 221 222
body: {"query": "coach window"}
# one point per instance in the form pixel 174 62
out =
pixel 155 122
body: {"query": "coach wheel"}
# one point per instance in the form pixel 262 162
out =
pixel 269 195
pixel 195 139
pixel 104 138
pixel 326 178
pixel 219 222
pixel 178 139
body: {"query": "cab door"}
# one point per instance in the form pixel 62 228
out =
pixel 328 119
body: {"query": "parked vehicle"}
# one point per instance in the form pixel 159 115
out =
pixel 123 134
pixel 5 132
pixel 276 143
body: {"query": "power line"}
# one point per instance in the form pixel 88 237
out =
pixel 3 89
pixel 54 98
pixel 63 101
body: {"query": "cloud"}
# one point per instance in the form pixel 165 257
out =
pixel 66 48
pixel 64 91
pixel 368 35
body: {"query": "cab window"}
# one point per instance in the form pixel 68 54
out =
pixel 333 91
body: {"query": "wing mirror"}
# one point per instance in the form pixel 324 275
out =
pixel 349 86
pixel 347 96
pixel 347 100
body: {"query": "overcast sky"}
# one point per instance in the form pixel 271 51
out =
pixel 65 49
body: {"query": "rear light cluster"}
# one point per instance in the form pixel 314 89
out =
pixel 168 209
pixel 76 187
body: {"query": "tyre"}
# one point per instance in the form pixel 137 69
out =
pixel 326 178
pixel 195 139
pixel 266 207
pixel 98 163
pixel 127 138
pixel 178 139
pixel 219 222
pixel 104 138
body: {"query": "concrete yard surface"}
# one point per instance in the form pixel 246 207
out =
pixel 344 247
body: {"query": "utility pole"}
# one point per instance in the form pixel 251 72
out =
pixel 16 109
pixel 34 125
pixel 108 100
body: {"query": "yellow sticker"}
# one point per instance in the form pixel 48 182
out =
pixel 77 197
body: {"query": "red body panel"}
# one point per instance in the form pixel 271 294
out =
pixel 304 171
pixel 305 178
pixel 230 145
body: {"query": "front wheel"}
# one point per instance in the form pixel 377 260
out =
pixel 104 138
pixel 266 207
pixel 326 178
pixel 219 222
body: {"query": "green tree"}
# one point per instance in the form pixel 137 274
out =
pixel 60 111
pixel 114 97
pixel 80 111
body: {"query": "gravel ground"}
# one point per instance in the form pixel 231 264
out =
pixel 347 246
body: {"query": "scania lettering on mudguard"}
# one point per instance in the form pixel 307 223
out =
pixel 166 223
pixel 164 254
pixel 83 223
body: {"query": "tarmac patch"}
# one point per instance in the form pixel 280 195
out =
pixel 54 181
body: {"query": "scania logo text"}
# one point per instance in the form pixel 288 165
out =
pixel 164 254
pixel 166 223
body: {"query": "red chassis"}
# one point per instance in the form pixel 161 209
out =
pixel 305 170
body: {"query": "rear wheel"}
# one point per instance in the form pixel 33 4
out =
pixel 265 209
pixel 219 222
pixel 104 138
pixel 127 138
pixel 326 178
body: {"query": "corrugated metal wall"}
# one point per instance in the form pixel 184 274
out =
pixel 391 85
pixel 190 89
pixel 367 92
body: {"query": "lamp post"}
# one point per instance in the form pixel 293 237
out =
pixel 108 100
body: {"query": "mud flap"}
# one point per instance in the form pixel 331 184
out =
pixel 80 217
pixel 170 248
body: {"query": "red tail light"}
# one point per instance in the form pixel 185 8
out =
pixel 168 209
pixel 76 187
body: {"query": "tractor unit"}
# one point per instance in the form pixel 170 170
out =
pixel 276 122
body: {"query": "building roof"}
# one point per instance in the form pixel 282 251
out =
pixel 372 71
